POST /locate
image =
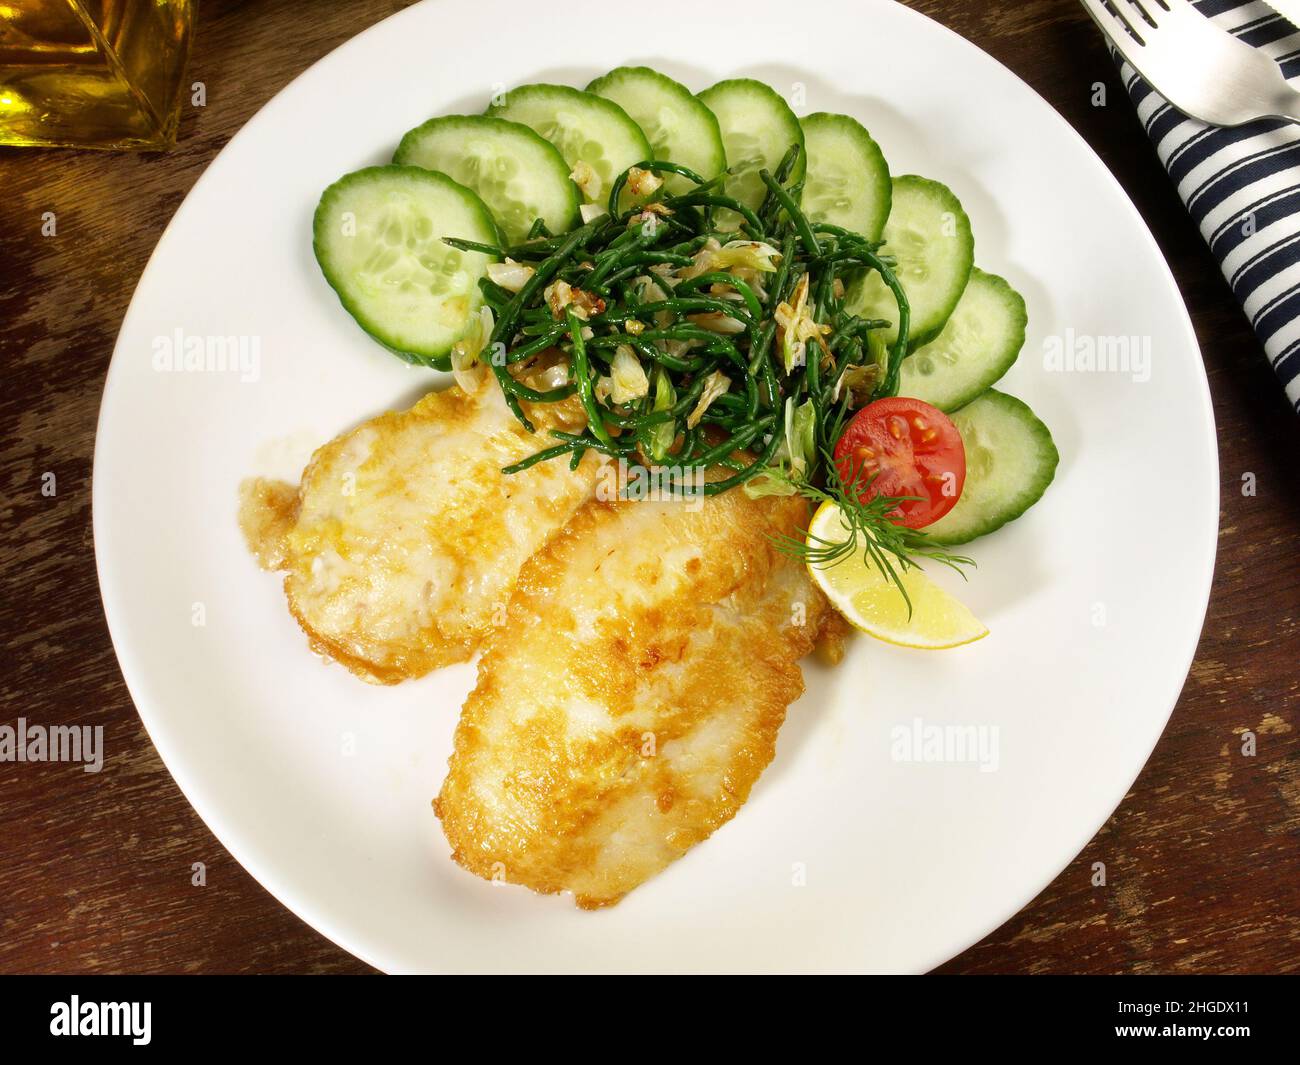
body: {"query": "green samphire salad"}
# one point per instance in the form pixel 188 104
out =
pixel 729 285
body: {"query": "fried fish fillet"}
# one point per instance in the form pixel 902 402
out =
pixel 402 544
pixel 633 696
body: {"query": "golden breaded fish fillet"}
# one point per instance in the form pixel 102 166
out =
pixel 633 696
pixel 402 544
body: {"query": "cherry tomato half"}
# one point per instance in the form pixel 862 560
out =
pixel 910 449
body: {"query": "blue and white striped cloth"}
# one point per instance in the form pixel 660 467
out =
pixel 1242 187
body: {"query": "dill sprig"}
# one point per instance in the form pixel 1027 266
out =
pixel 869 527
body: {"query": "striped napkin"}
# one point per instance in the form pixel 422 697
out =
pixel 1242 187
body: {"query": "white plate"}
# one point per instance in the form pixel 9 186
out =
pixel 844 858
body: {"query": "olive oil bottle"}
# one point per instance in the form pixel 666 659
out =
pixel 93 73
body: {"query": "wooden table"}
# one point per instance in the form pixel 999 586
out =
pixel 1202 858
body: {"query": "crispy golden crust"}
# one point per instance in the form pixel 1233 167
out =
pixel 833 639
pixel 267 512
pixel 633 696
pixel 401 547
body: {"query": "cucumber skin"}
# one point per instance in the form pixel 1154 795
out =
pixel 916 340
pixel 762 88
pixel 997 370
pixel 434 360
pixel 1048 462
pixel 857 130
pixel 600 86
pixel 501 110
pixel 963 227
pixel 411 136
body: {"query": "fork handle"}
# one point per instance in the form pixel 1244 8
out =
pixel 1287 105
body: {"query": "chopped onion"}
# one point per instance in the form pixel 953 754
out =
pixel 715 385
pixel 510 275
pixel 661 436
pixel 797 327
pixel 586 178
pixel 752 254
pixel 793 455
pixel 629 380
pixel 742 257
pixel 559 294
pixel 800 436
pixel 554 376
pixel 642 182
pixel 650 292
pixel 861 380
pixel 468 372
pixel 717 322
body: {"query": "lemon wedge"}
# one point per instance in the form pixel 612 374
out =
pixel 872 603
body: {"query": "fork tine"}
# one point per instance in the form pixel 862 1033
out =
pixel 1113 20
pixel 1177 8
pixel 1123 13
pixel 1117 29
pixel 1181 9
pixel 1148 11
pixel 1152 10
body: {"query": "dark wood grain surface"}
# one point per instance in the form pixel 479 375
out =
pixel 1202 858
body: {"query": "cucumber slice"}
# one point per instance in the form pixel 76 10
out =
pixel 977 346
pixel 1010 461
pixel 586 128
pixel 377 235
pixel 848 179
pixel 758 128
pixel 679 128
pixel 929 234
pixel 520 176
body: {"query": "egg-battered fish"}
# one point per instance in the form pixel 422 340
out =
pixel 401 546
pixel 633 696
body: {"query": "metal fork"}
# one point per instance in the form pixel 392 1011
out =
pixel 1202 70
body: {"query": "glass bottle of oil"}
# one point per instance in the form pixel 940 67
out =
pixel 93 73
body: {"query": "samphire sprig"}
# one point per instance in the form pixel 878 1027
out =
pixel 869 527
pixel 715 320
